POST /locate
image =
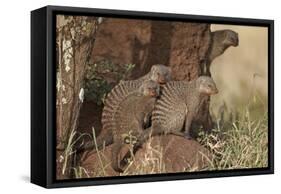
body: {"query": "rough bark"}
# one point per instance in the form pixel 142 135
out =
pixel 189 46
pixel 75 40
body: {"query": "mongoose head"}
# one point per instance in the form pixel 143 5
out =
pixel 160 74
pixel 230 38
pixel 150 88
pixel 206 85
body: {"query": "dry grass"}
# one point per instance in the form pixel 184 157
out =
pixel 151 163
pixel 238 144
pixel 235 144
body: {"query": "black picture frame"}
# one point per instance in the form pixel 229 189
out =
pixel 43 114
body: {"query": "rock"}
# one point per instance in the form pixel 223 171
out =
pixel 98 164
pixel 165 154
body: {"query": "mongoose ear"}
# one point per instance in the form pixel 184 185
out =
pixel 199 80
pixel 153 68
pixel 169 70
pixel 141 89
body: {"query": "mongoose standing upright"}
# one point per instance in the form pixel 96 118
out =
pixel 177 106
pixel 220 41
pixel 129 119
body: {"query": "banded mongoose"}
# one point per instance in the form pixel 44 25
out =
pixel 129 120
pixel 158 73
pixel 220 41
pixel 177 106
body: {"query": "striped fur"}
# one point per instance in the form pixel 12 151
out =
pixel 113 100
pixel 170 109
pixel 127 117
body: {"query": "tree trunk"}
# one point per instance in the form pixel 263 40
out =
pixel 157 50
pixel 189 47
pixel 75 40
